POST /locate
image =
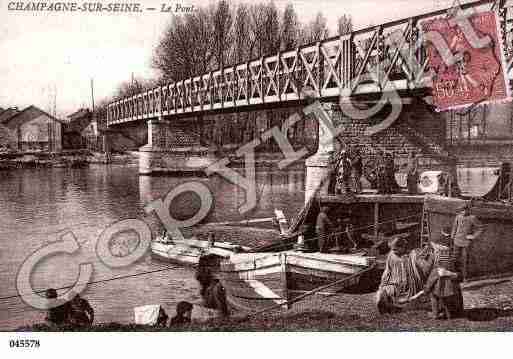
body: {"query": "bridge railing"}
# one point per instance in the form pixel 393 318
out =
pixel 320 70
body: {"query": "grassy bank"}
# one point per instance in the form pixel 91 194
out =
pixel 488 308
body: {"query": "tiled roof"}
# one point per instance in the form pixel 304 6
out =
pixel 27 114
pixel 7 114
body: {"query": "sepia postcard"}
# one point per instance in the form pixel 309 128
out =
pixel 255 166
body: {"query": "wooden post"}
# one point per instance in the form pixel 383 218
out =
pixel 283 260
pixel 277 75
pixel 320 68
pixel 261 82
pixel 376 219
pixel 235 86
pixel 248 84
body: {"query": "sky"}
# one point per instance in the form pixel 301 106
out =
pixel 54 55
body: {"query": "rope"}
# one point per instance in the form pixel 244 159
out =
pixel 95 282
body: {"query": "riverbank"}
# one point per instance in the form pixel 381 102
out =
pixel 65 159
pixel 487 308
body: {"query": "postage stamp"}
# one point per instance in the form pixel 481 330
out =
pixel 472 75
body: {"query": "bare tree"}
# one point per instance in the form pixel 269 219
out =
pixel 265 28
pixel 316 30
pixel 344 25
pixel 222 25
pixel 186 47
pixel 272 29
pixel 289 28
pixel 242 41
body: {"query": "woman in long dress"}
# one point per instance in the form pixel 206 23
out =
pixel 404 276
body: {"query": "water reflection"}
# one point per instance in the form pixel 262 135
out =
pixel 274 189
pixel 477 181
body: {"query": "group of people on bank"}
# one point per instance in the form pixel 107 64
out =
pixel 348 166
pixel 78 313
pixel 436 270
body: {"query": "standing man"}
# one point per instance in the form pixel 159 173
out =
pixel 380 172
pixel 465 230
pixel 391 185
pixel 323 229
pixel 357 170
pixel 412 171
pixel 343 173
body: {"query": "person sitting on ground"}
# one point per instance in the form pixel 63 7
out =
pixel 211 290
pixel 183 314
pixel 81 312
pixel 58 315
pixel 162 318
pixel 443 286
pixel 404 276
pixel 323 230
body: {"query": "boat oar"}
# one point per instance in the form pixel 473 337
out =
pixel 311 292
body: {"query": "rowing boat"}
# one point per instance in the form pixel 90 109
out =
pixel 188 251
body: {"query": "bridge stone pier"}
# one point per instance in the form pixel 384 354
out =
pixel 174 148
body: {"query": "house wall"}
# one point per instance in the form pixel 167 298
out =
pixel 8 137
pixel 40 133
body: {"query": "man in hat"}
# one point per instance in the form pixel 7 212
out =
pixel 465 230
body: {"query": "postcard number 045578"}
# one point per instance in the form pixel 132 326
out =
pixel 24 343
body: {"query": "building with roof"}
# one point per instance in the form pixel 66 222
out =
pixel 30 130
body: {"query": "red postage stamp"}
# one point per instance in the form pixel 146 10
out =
pixel 470 75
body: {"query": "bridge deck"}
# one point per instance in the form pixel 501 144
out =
pixel 333 68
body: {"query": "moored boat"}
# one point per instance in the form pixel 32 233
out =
pixel 256 281
pixel 491 254
pixel 188 251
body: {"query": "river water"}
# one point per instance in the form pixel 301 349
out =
pixel 38 205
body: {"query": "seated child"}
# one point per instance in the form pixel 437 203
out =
pixel 183 314
pixel 443 286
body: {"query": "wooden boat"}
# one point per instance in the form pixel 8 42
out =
pixel 188 251
pixel 492 253
pixel 255 281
